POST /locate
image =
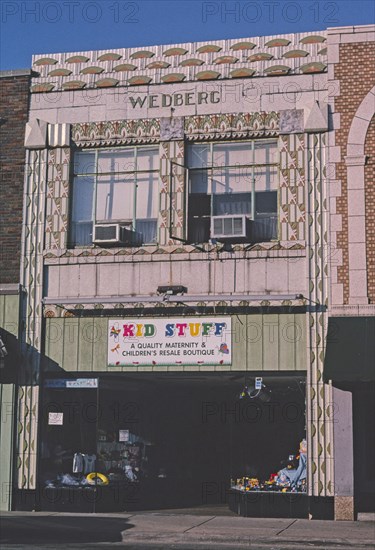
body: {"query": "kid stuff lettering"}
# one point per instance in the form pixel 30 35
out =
pixel 148 330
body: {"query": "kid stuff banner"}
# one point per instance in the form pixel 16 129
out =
pixel 185 341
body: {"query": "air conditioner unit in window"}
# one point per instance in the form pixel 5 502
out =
pixel 113 233
pixel 230 227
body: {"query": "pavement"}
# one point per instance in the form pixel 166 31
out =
pixel 201 529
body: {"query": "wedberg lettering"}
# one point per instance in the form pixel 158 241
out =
pixel 174 100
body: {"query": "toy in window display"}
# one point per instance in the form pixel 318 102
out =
pixel 294 474
pixel 130 473
pixel 96 478
pixel 247 483
pixel 290 478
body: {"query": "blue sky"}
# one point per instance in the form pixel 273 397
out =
pixel 46 26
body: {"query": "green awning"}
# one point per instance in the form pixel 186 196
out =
pixel 350 352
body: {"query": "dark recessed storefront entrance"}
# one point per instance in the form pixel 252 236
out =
pixel 163 440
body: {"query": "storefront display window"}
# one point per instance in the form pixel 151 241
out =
pixel 157 441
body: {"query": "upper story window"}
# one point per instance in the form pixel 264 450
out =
pixel 115 186
pixel 233 191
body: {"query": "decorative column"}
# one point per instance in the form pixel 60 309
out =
pixel 319 395
pixel 44 224
pixel 32 281
pixel 292 209
pixel 57 202
pixel 173 185
pixel 303 133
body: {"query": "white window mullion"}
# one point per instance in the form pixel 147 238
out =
pixel 135 187
pixel 253 181
pixel 95 187
pixel 210 178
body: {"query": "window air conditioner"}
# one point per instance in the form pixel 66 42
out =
pixel 230 227
pixel 112 234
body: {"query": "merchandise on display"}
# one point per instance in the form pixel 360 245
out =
pixel 115 461
pixel 291 478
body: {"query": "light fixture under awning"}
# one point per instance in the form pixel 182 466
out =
pixel 350 354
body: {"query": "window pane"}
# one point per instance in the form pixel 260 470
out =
pixel 198 181
pixel 81 233
pixel 82 201
pixel 199 205
pixel 198 155
pixel 266 152
pixel 146 231
pixel 84 163
pixel 115 161
pixel 231 180
pixel 266 203
pixel 232 154
pixel 264 229
pixel 148 158
pixel 147 195
pixel 266 178
pixel 199 230
pixel 236 203
pixel 199 218
pixel 115 198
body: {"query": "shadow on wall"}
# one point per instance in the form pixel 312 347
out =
pixel 59 530
pixel 10 357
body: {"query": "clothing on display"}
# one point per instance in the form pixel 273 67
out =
pixel 83 463
pixel 88 463
pixel 117 460
pixel 78 463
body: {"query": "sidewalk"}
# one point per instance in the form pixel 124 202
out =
pixel 168 529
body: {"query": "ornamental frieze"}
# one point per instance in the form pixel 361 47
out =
pixel 117 132
pixel 201 127
pixel 223 126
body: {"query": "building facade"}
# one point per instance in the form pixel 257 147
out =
pixel 179 214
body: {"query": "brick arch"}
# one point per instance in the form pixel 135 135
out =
pixel 355 163
pixel 360 124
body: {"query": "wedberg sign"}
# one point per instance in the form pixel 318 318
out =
pixel 185 341
pixel 154 101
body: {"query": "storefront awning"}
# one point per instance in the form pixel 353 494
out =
pixel 350 354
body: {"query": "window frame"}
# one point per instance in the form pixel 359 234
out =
pixel 252 165
pixel 97 174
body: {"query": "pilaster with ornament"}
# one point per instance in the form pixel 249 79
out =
pixel 172 192
pixel 319 395
pixel 57 202
pixel 292 210
pixel 32 281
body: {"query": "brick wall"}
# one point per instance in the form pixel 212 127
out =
pixel 14 92
pixel 356 72
pixel 370 209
